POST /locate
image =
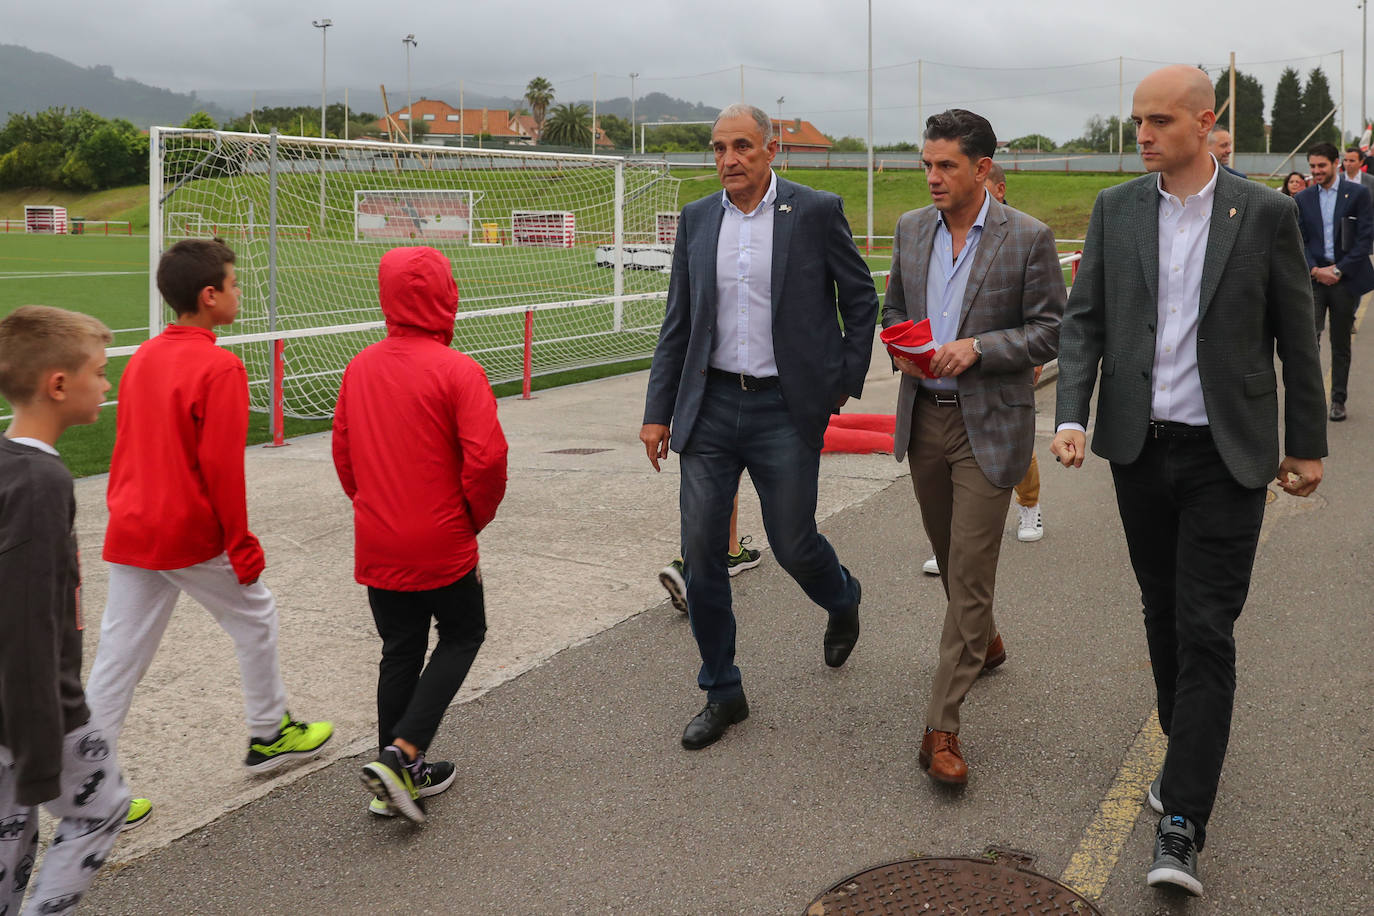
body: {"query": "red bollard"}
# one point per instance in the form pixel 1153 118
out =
pixel 529 353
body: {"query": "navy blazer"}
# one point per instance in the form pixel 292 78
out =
pixel 822 356
pixel 1354 214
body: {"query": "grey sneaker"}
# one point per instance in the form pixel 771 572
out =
pixel 1175 862
pixel 674 579
pixel 1153 795
pixel 747 558
pixel 931 567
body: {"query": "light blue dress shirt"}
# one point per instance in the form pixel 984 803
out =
pixel 946 281
pixel 744 288
pixel 1326 198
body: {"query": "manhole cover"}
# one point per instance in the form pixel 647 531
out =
pixel 577 451
pixel 947 886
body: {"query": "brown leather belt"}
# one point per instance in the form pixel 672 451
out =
pixel 939 398
pixel 1168 429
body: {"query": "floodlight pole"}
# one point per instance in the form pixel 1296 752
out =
pixel 633 77
pixel 323 25
pixel 1364 59
pixel 869 248
pixel 410 42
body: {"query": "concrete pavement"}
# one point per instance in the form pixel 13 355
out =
pixel 573 794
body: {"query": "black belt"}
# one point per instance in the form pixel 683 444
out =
pixel 1168 429
pixel 746 382
pixel 939 398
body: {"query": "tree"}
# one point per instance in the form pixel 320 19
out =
pixel 1100 135
pixel 1286 115
pixel 848 145
pixel 1033 142
pixel 1249 137
pixel 76 150
pixel 539 93
pixel 199 121
pixel 1316 103
pixel 568 125
pixel 678 138
pixel 617 130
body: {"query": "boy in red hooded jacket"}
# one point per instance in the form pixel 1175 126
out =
pixel 419 450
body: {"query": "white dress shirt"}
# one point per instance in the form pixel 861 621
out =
pixel 1326 202
pixel 1175 385
pixel 946 282
pixel 744 288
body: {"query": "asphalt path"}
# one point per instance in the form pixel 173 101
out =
pixel 573 794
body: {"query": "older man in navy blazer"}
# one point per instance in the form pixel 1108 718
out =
pixel 1337 223
pixel 769 327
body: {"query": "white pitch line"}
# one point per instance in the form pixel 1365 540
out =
pixel 70 274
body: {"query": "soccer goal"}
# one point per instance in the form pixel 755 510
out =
pixel 309 220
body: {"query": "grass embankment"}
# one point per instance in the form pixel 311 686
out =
pixel 117 203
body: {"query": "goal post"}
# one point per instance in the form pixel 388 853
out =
pixel 524 231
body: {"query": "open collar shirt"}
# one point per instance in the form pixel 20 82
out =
pixel 946 282
pixel 1184 227
pixel 1326 199
pixel 744 288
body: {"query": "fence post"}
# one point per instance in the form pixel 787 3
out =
pixel 278 379
pixel 155 202
pixel 619 242
pixel 529 353
pixel 1073 271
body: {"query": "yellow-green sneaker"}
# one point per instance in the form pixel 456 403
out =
pixel 140 809
pixel 293 742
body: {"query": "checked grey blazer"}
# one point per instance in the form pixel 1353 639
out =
pixel 1013 303
pixel 1256 298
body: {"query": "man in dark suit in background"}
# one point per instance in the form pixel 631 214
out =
pixel 988 279
pixel 1352 161
pixel 751 360
pixel 1219 144
pixel 1190 279
pixel 1337 222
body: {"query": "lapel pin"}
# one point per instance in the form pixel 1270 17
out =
pixel 1233 211
pixel 784 208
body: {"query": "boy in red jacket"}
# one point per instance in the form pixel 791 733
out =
pixel 52 370
pixel 419 450
pixel 179 513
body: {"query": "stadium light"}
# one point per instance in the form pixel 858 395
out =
pixel 410 42
pixel 323 25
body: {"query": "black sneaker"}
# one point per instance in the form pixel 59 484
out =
pixel 399 784
pixel 747 558
pixel 674 579
pixel 1175 862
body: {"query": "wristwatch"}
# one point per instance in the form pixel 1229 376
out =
pixel 978 346
pixel 1336 270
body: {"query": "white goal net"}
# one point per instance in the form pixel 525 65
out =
pixel 310 219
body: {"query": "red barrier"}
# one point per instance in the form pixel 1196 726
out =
pixel 529 353
pixel 278 375
pixel 1073 271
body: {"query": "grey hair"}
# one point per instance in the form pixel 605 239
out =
pixel 1218 129
pixel 740 109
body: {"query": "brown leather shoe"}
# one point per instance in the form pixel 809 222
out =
pixel 997 653
pixel 941 758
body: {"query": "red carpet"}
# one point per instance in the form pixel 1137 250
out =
pixel 860 434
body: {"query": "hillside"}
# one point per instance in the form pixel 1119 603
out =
pixel 35 81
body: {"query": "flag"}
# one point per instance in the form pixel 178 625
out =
pixel 911 340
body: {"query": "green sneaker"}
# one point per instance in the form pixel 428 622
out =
pixel 389 779
pixel 747 558
pixel 380 808
pixel 294 741
pixel 433 779
pixel 140 809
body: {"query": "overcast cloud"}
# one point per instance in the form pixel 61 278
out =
pixel 813 54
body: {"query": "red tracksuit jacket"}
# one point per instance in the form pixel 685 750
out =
pixel 176 491
pixel 417 444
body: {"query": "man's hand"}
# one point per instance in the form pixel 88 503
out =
pixel 953 359
pixel 1326 276
pixel 908 367
pixel 1299 476
pixel 1068 447
pixel 655 438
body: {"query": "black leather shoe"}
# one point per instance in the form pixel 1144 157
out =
pixel 842 632
pixel 1337 412
pixel 708 726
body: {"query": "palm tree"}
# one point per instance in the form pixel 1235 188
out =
pixel 568 125
pixel 539 93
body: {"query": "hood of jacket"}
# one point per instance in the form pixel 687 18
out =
pixel 418 292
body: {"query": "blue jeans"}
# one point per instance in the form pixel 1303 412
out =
pixel 739 430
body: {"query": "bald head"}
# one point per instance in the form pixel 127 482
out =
pixel 1173 112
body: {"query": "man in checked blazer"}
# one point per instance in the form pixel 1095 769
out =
pixel 768 328
pixel 988 278
pixel 1191 279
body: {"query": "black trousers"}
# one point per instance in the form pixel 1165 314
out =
pixel 411 702
pixel 1341 303
pixel 1192 532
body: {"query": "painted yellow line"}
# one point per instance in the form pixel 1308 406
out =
pixel 1092 864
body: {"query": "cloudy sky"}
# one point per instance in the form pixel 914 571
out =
pixel 1028 66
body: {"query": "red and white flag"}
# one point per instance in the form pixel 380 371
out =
pixel 911 340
